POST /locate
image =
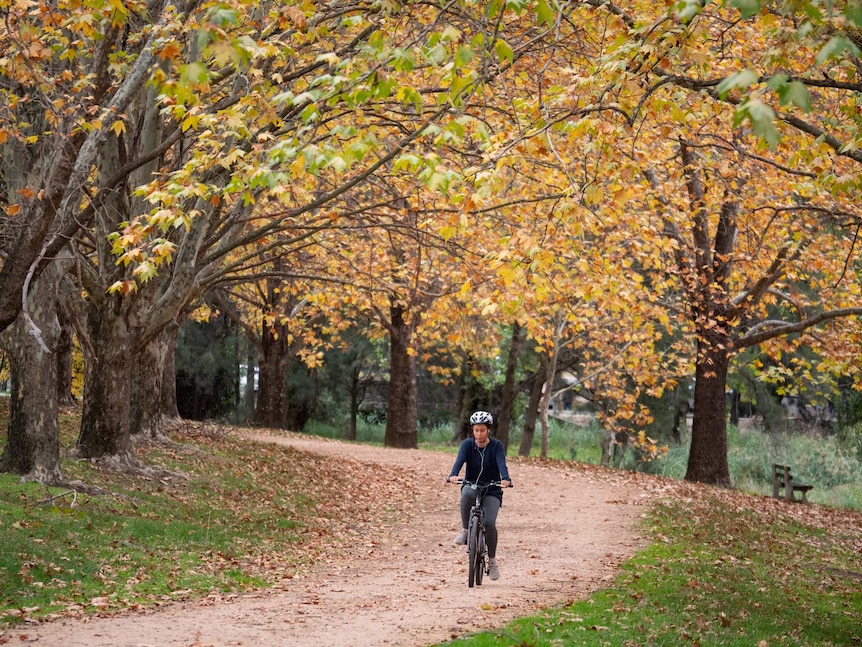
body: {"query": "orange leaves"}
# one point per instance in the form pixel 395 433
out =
pixel 123 288
pixel 297 17
pixel 170 51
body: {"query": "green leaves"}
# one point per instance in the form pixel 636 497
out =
pixel 504 51
pixel 853 13
pixel 686 10
pixel 835 48
pixel 790 92
pixel 738 81
pixel 760 115
pixel 747 8
pixel 545 13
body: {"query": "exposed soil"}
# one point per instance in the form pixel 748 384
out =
pixel 563 532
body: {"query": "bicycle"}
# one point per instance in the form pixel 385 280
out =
pixel 477 551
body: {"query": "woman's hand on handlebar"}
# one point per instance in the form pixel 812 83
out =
pixel 505 483
pixel 454 479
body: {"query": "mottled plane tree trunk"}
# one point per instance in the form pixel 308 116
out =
pixel 402 409
pixel 510 385
pixel 33 444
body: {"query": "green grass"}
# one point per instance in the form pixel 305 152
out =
pixel 366 433
pixel 833 467
pixel 244 516
pixel 723 571
pixel 723 568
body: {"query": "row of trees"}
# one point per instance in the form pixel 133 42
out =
pixel 648 189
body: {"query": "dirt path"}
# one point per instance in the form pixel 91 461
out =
pixel 562 534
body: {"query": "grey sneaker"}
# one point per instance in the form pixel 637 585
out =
pixel 493 571
pixel 460 538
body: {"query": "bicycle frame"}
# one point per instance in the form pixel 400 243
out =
pixel 477 550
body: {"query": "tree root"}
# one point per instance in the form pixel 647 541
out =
pixel 195 429
pixel 56 479
pixel 160 439
pixel 129 464
pixel 124 464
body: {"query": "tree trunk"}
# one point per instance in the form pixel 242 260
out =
pixel 107 387
pixel 532 412
pixel 64 356
pixel 680 412
pixel 707 459
pixel 354 393
pixel 734 407
pixel 712 311
pixel 168 398
pixel 401 414
pixel 146 405
pixel 272 376
pixel 304 391
pixel 510 387
pixel 609 446
pixel 249 392
pixel 550 374
pixel 544 402
pixel 461 428
pixel 33 443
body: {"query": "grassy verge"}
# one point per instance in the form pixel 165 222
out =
pixel 725 570
pixel 244 516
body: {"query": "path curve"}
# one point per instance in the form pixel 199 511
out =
pixel 563 533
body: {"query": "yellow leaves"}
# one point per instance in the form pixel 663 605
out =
pixel 123 288
pixel 126 243
pixel 447 232
pixel 203 313
pixel 231 157
pixel 145 271
pixel 297 167
pixel 621 196
pixel 489 308
pixel 451 34
pixel 163 251
pixel 594 194
pixel 191 121
pixel 119 127
pixel 509 274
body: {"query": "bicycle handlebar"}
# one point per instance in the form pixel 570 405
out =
pixel 461 481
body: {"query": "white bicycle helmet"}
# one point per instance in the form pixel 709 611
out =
pixel 482 418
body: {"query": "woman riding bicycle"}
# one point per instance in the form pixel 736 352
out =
pixel 486 461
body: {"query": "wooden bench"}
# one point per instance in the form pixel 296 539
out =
pixel 782 478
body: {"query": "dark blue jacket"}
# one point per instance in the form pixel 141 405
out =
pixel 483 464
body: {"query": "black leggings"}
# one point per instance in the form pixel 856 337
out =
pixel 490 506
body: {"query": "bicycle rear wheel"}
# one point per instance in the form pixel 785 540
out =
pixel 473 552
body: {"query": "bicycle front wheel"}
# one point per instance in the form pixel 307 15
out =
pixel 480 556
pixel 473 553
